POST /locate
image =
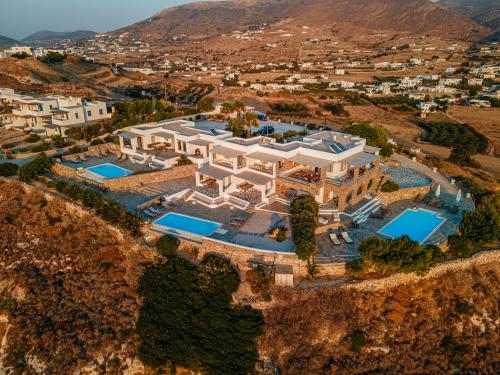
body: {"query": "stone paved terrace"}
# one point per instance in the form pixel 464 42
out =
pixel 326 249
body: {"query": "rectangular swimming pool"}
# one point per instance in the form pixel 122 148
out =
pixel 419 225
pixel 187 224
pixel 109 170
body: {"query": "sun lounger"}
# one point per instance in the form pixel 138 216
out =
pixel 76 159
pixel 148 213
pixel 166 204
pixel 154 210
pixel 83 158
pixel 323 221
pixel 346 237
pixel 336 217
pixel 334 239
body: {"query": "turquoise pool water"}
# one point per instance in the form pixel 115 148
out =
pixel 109 170
pixel 187 224
pixel 419 225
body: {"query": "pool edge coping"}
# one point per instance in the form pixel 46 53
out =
pixel 437 214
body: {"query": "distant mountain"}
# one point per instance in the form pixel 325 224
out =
pixel 207 19
pixel 484 12
pixel 6 41
pixel 53 36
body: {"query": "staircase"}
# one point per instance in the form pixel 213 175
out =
pixel 338 258
pixel 152 190
pixel 188 194
pixel 362 214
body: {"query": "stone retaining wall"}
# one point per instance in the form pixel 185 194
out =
pixel 64 171
pixel 405 194
pixel 136 181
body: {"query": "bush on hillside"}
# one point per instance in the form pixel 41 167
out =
pixel 167 245
pixel 390 256
pixel 188 318
pixel 8 169
pixel 39 166
pixel 374 135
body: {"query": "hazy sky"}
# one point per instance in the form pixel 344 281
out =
pixel 19 18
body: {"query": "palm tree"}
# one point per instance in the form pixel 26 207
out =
pixel 238 107
pixel 251 121
pixel 227 108
pixel 237 126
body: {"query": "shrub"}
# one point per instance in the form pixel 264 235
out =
pixel 389 256
pixel 390 186
pixel 32 138
pixel 188 318
pixel 183 160
pixel 259 282
pixel 386 151
pixel 40 148
pixel 357 341
pixel 336 109
pixel 167 245
pixel 39 166
pixel 8 169
pixel 304 218
pixel 481 225
pixel 374 135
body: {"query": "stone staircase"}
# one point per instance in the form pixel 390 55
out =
pixel 338 258
pixel 152 190
pixel 189 193
pixel 361 215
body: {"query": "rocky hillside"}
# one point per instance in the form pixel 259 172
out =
pixel 444 323
pixel 68 305
pixel 67 288
pixel 207 19
pixel 484 12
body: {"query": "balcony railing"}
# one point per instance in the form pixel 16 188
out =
pixel 207 192
pixel 262 168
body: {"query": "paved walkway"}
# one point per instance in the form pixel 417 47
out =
pixel 426 171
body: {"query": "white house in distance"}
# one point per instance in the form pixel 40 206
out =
pixel 337 169
pixel 51 115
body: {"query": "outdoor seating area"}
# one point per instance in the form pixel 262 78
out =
pixel 253 196
pixel 306 175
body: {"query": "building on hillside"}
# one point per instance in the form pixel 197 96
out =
pixel 50 115
pixel 337 169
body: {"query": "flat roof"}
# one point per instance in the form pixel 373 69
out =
pixel 199 142
pixel 265 157
pixel 128 135
pixel 217 173
pixel 227 152
pixel 361 159
pixel 254 178
pixel 164 135
pixel 311 160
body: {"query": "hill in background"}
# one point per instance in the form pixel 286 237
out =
pixel 206 19
pixel 51 36
pixel 5 41
pixel 484 12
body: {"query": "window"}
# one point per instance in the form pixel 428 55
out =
pixel 89 113
pixel 127 143
pixel 101 112
pixel 77 116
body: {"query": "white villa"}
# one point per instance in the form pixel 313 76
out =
pixel 337 169
pixel 52 115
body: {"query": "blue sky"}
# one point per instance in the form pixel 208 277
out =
pixel 19 18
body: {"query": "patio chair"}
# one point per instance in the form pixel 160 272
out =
pixel 336 217
pixel 83 158
pixel 149 214
pixel 155 210
pixel 346 237
pixel 334 239
pixel 76 159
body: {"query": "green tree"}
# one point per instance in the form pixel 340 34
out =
pixel 374 135
pixel 386 151
pixel 188 318
pixel 227 109
pixel 237 126
pixel 8 169
pixel 304 219
pixel 167 245
pixel 251 121
pixel 206 104
pixel 481 225
pixel 39 166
